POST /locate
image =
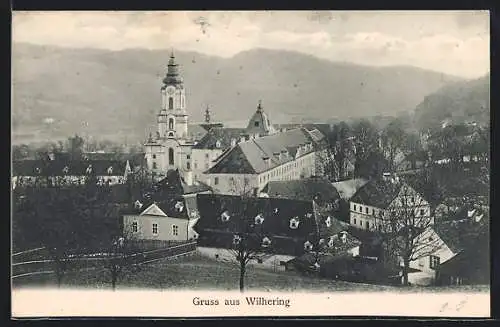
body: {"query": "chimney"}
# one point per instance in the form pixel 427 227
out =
pixel 188 177
pixel 386 177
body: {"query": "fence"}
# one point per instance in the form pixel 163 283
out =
pixel 46 266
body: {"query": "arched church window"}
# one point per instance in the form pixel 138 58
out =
pixel 170 103
pixel 170 156
pixel 170 123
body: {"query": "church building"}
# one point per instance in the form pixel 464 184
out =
pixel 170 147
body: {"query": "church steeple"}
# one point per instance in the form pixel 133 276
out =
pixel 207 115
pixel 259 124
pixel 172 76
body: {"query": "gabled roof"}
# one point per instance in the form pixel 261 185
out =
pixel 170 207
pixel 173 185
pixel 378 193
pixel 457 235
pixel 222 135
pixel 322 127
pixel 315 188
pixel 196 131
pixel 277 214
pixel 259 123
pixel 253 153
pixel 68 167
pixel 348 188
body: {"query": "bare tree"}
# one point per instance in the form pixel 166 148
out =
pixel 405 229
pixel 122 257
pixel 249 239
pixel 393 141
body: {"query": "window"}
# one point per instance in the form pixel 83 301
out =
pixel 360 209
pixel 155 229
pixel 366 210
pixel 171 156
pixel 206 155
pixel 216 180
pixel 175 230
pixel 170 123
pixel 170 103
pixel 188 156
pixel 135 227
pixel 373 212
pixel 256 124
pixel 360 223
pixel 367 225
pixel 434 261
pixel 259 260
pixel 154 156
pixel 354 207
pixel 195 165
pixel 188 165
pixel 422 212
pixel 154 165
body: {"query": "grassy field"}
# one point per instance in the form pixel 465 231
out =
pixel 195 272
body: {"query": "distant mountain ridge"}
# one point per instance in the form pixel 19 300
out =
pixel 57 91
pixel 460 102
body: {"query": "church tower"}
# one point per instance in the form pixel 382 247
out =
pixel 170 148
pixel 173 118
pixel 259 124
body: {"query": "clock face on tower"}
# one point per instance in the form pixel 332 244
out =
pixel 170 90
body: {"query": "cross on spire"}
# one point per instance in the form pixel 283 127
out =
pixel 207 115
pixel 259 106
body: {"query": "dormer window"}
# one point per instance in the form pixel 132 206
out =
pixel 37 170
pixel 65 169
pixel 309 215
pixel 308 246
pixel 179 206
pixel 259 219
pixel 331 242
pixel 321 241
pixel 256 123
pixel 343 237
pixel 266 242
pixel 328 221
pixel 276 210
pixel 89 169
pixel 110 170
pixel 236 239
pixel 294 223
pixel 217 144
pixel 137 204
pixel 225 216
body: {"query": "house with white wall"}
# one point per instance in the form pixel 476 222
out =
pixel 372 205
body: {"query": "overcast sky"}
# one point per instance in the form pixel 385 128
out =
pixel 451 42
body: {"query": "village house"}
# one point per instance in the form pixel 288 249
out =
pixel 64 171
pixel 215 142
pixel 373 203
pixel 286 228
pixel 319 189
pixel 168 211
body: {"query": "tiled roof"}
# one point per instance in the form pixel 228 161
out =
pixel 456 235
pixel 277 215
pixel 378 193
pixel 349 187
pixel 169 206
pixel 222 135
pixel 68 167
pixel 254 152
pixel 318 189
pixel 196 131
pixel 209 126
pixel 259 124
pixel 323 128
pixel 173 184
